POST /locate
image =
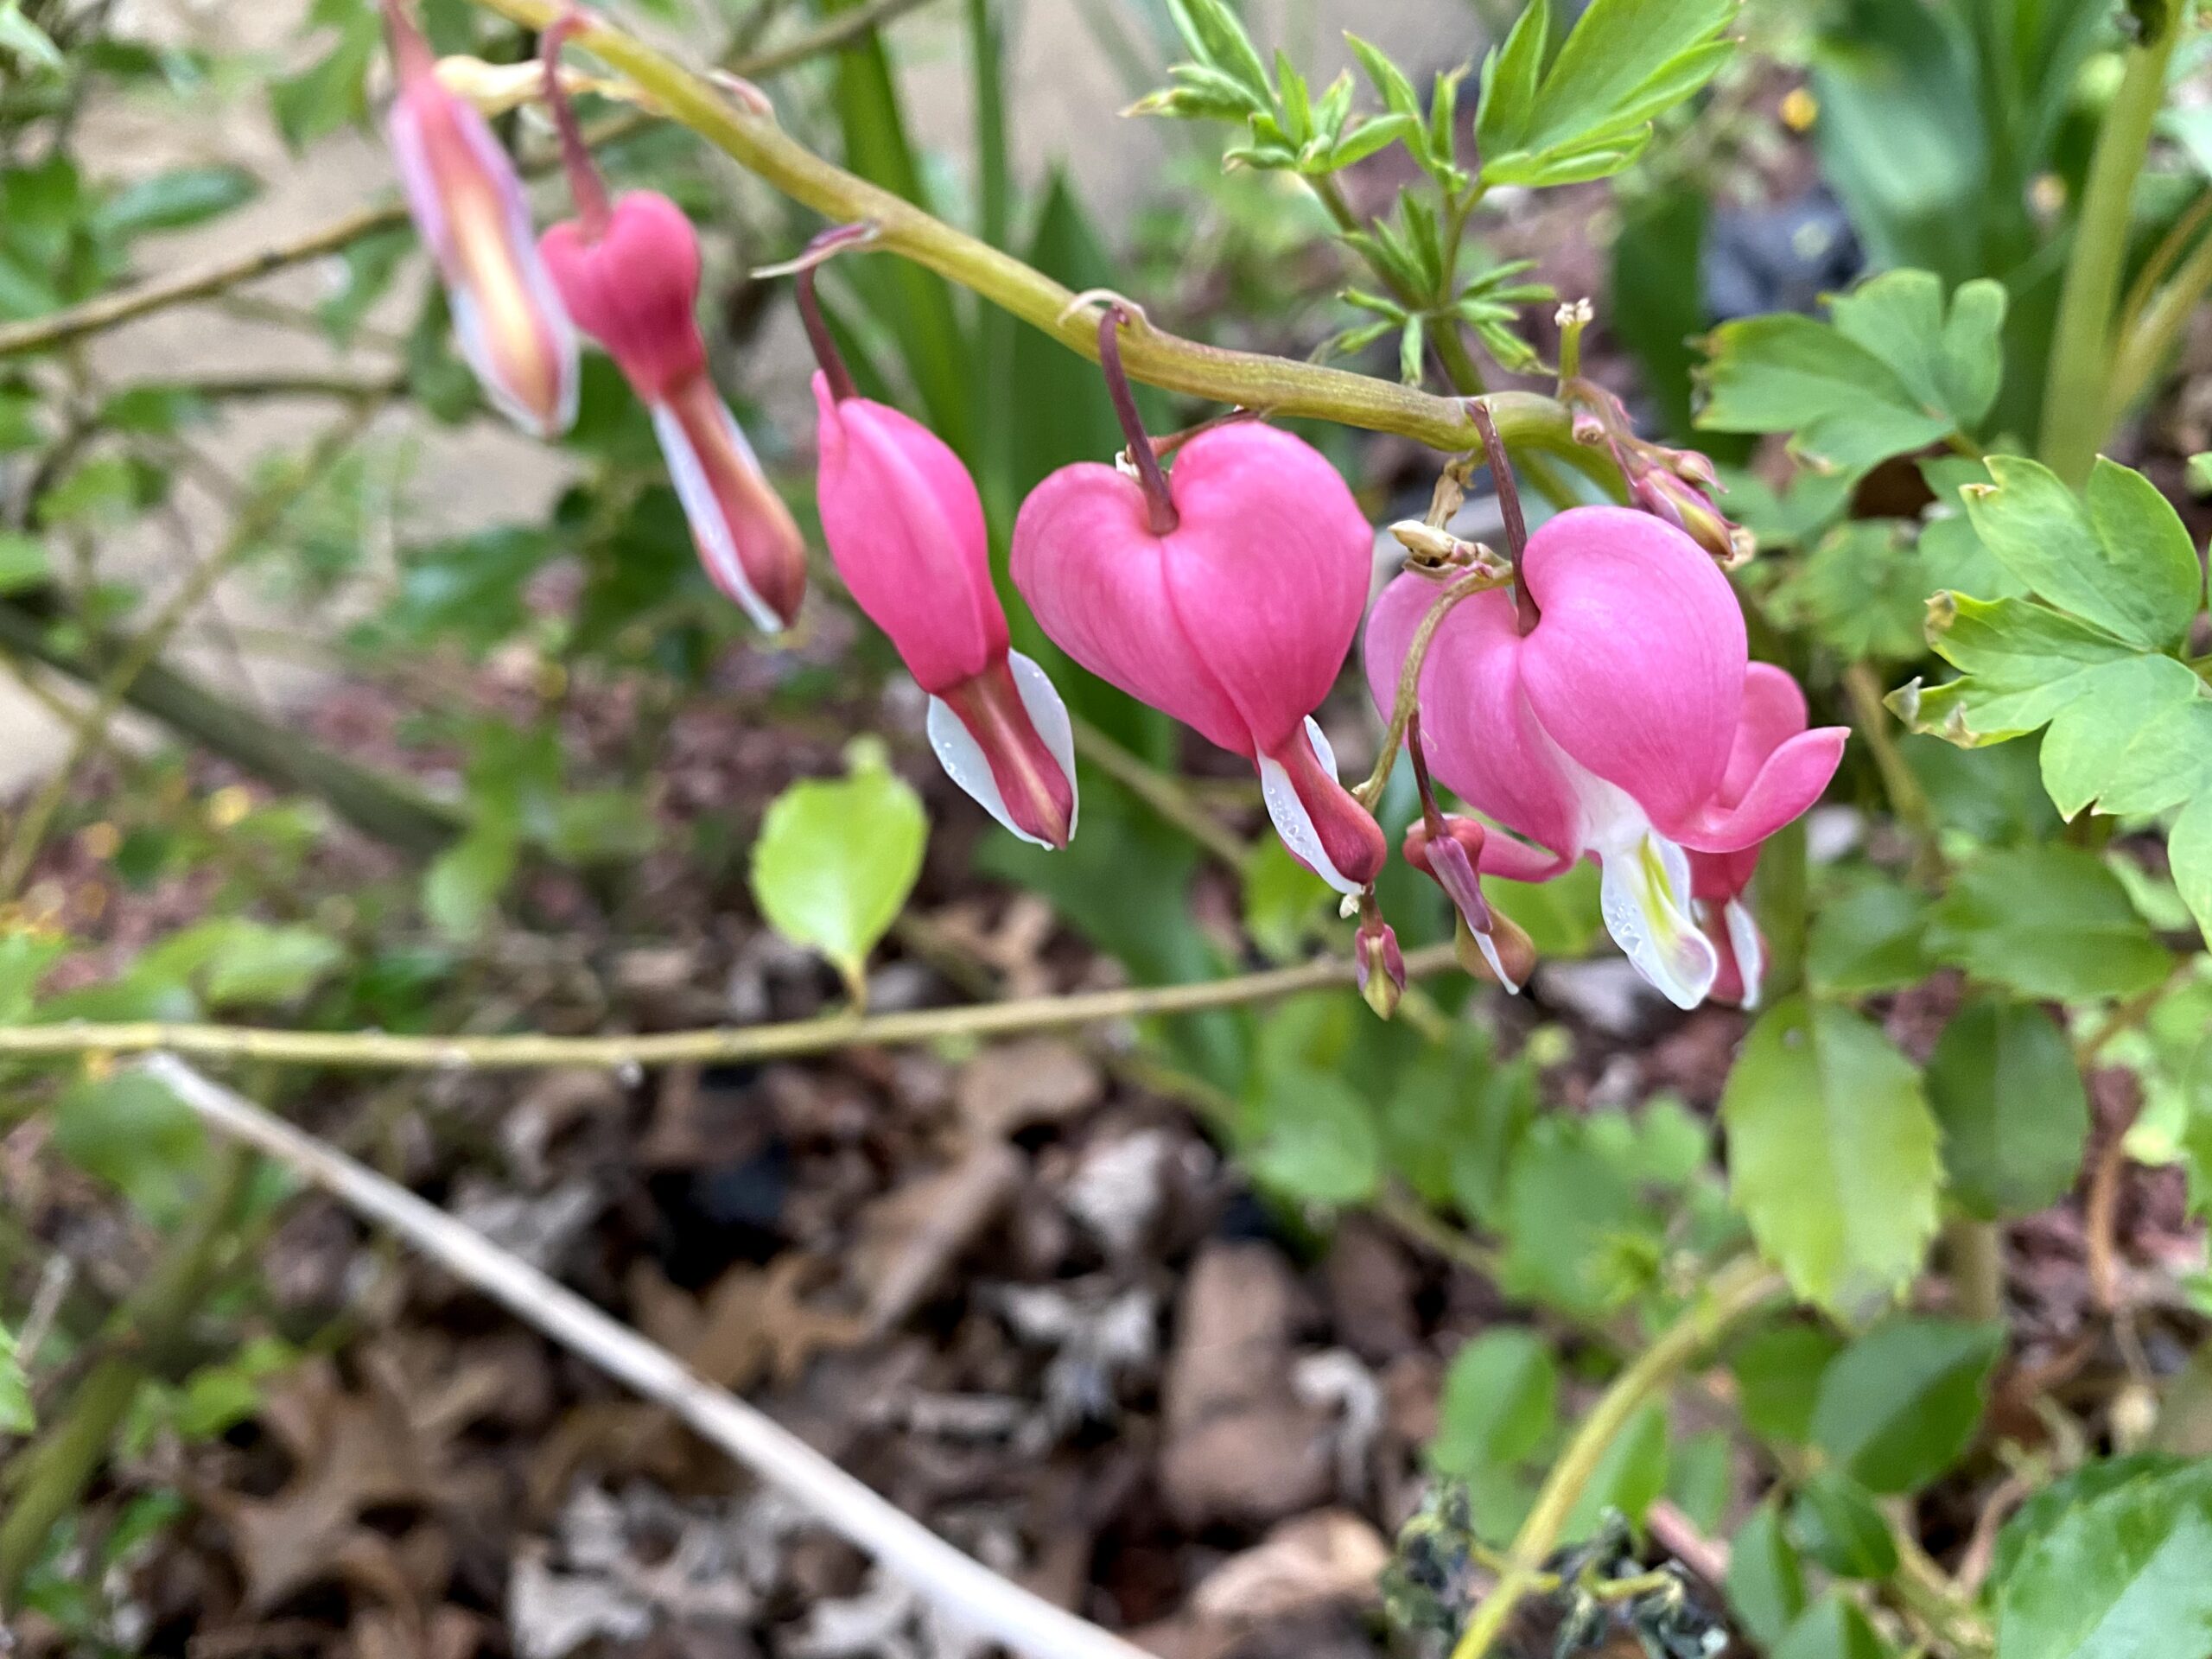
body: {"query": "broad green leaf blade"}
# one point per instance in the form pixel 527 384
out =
pixel 2004 1085
pixel 2033 1521
pixel 1319 1140
pixel 1869 940
pixel 1778 1371
pixel 2189 847
pixel 2048 922
pixel 1844 407
pixel 1500 1403
pixel 1899 1405
pixel 1617 48
pixel 1833 1628
pixel 2127 1575
pixel 2118 558
pixel 129 1130
pixel 835 860
pixel 1766 1580
pixel 1831 1154
pixel 1834 1521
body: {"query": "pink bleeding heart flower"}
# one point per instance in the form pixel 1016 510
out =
pixel 630 275
pixel 1773 714
pixel 906 528
pixel 468 203
pixel 1227 597
pixel 1606 730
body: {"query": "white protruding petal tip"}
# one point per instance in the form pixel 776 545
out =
pixel 1292 822
pixel 704 510
pixel 1643 894
pixel 1750 950
pixel 1488 946
pixel 1048 713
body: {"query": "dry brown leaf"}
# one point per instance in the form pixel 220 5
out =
pixel 1009 1087
pixel 1330 1555
pixel 911 1236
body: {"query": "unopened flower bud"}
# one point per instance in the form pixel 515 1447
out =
pixel 1588 428
pixel 1452 860
pixel 1690 509
pixel 1382 964
pixel 467 200
pixel 1506 952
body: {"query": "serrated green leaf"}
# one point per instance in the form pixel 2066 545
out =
pixel 1899 1405
pixel 2044 1509
pixel 1615 52
pixel 2004 1085
pixel 2120 558
pixel 1831 1154
pixel 2125 1575
pixel 1862 590
pixel 835 862
pixel 1879 380
pixel 2048 922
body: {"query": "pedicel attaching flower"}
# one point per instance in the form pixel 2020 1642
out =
pixel 1226 594
pixel 906 528
pixel 468 203
pixel 629 272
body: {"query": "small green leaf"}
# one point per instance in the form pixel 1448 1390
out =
pixel 254 963
pixel 17 1414
pixel 1868 940
pixel 1835 1522
pixel 2032 1522
pixel 1320 1143
pixel 175 200
pixel 2049 922
pixel 129 1130
pixel 1217 37
pixel 1632 1472
pixel 464 882
pixel 1833 1628
pixel 1898 1406
pixel 2120 558
pixel 2005 1087
pixel 2125 1575
pixel 1831 1154
pixel 1500 1403
pixel 835 860
pixel 1766 1580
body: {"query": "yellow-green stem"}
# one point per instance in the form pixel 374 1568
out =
pixel 1736 1290
pixel 2076 400
pixel 1250 379
pixel 377 1051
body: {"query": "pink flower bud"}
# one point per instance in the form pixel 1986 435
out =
pixel 467 201
pixel 1610 729
pixel 1236 621
pixel 1690 509
pixel 906 528
pixel 1452 861
pixel 1382 964
pixel 634 288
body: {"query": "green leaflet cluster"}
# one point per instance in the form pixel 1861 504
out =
pixel 2091 651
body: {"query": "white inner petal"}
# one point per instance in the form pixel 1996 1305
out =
pixel 965 763
pixel 1292 821
pixel 704 509
pixel 1643 890
pixel 1750 948
pixel 1049 714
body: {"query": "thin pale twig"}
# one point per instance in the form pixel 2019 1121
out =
pixel 957 1583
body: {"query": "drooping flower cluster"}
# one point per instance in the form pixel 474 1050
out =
pixel 1627 725
pixel 1604 708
